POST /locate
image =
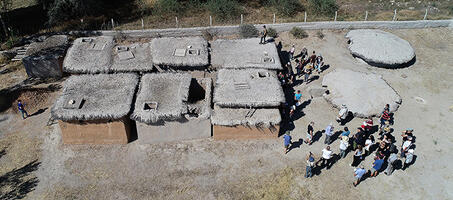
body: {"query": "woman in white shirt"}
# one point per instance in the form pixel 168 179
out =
pixel 368 143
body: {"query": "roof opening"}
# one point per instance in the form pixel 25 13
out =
pixel 263 74
pixel 125 55
pixel 267 59
pixel 74 103
pixel 196 92
pixel 122 48
pixel 150 106
pixel 193 51
pixel 87 40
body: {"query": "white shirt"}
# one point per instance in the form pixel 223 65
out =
pixel 343 145
pixel 407 144
pixel 343 112
pixel 368 144
pixel 326 154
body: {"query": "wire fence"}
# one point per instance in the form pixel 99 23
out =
pixel 152 22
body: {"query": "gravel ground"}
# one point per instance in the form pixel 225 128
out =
pixel 254 169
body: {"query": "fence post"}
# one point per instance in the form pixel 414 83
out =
pixel 305 18
pixel 335 16
pixel 143 24
pixel 273 21
pixel 426 14
pixel 210 20
pixel 242 18
pixel 113 24
pixel 366 15
pixel 394 16
pixel 177 24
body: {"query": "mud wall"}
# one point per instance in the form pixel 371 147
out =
pixel 243 132
pixel 173 131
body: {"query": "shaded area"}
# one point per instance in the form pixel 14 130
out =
pixel 16 184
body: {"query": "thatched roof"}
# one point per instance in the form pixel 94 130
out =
pixel 166 92
pixel 180 52
pixel 244 53
pixel 132 57
pixel 248 88
pixel 56 44
pixel 247 117
pixel 101 96
pixel 89 55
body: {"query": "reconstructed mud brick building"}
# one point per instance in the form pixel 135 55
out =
pixel 94 109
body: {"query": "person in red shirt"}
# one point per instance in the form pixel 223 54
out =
pixel 367 124
pixel 385 116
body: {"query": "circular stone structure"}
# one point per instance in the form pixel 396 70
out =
pixel 364 94
pixel 380 48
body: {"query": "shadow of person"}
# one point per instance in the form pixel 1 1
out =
pixel 317 135
pixel 18 181
pixel 38 112
pixel 296 144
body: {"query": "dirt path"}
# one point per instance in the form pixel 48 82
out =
pixel 256 169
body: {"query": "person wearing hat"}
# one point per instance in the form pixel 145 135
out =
pixel 342 114
pixel 407 133
pixel 263 35
pixel 310 165
pixel 287 141
pixel 344 144
pixel 409 158
pixel 358 174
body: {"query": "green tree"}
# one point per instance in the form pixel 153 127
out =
pixel 5 6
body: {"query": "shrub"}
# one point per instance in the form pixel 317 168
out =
pixel 223 9
pixel 298 33
pixel 324 7
pixel 209 34
pixel 64 10
pixel 320 35
pixel 286 8
pixel 248 31
pixel 271 32
pixel 168 6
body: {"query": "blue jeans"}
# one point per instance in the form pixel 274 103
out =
pixel 263 39
pixel 24 114
pixel 342 153
pixel 308 173
pixel 318 67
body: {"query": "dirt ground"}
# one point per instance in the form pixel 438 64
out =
pixel 35 165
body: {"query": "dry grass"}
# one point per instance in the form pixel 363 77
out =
pixel 274 186
pixel 12 74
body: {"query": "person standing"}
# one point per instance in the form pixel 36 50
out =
pixel 357 156
pixel 319 63
pixel 287 141
pixel 385 116
pixel 358 174
pixel 345 132
pixel 342 114
pixel 310 165
pixel 391 164
pixel 313 58
pixel 297 98
pixel 377 164
pixel 329 133
pixel 344 144
pixel 326 157
pixel 367 125
pixel 307 72
pixel 310 133
pixel 368 144
pixel 263 35
pixel 405 147
pixel 409 158
pixel 21 108
pixel 291 52
pixel 304 53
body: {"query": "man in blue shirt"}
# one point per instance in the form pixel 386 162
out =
pixel 377 166
pixel 298 98
pixel 287 141
pixel 358 174
pixel 346 132
pixel 21 109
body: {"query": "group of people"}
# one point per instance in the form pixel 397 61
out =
pixel 305 65
pixel 362 143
